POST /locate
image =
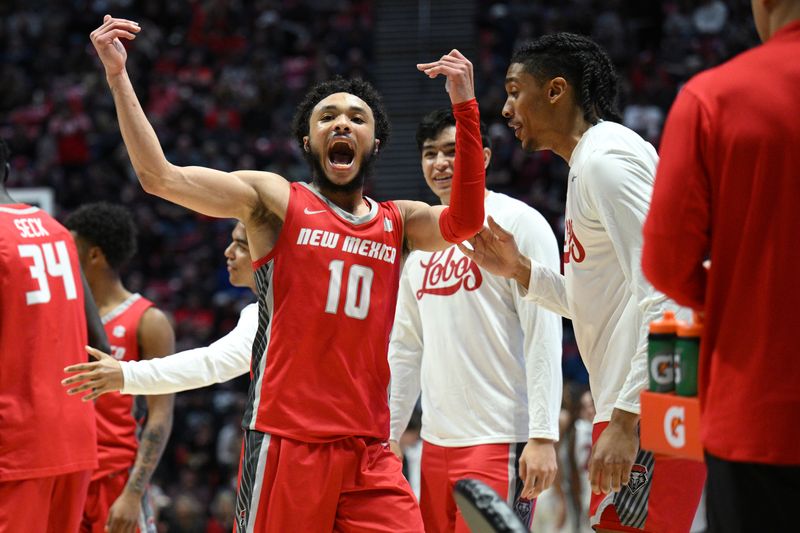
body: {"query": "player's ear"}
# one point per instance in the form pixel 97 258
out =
pixel 557 88
pixel 305 144
pixel 96 255
pixel 377 146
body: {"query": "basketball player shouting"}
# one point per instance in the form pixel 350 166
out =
pixel 327 264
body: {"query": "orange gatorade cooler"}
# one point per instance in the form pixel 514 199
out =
pixel 661 352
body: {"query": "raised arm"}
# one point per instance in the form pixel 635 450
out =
pixel 436 228
pixel 208 191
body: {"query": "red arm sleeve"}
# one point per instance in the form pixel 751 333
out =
pixel 464 217
pixel 677 229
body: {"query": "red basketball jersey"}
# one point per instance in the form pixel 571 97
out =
pixel 327 294
pixel 118 418
pixel 43 431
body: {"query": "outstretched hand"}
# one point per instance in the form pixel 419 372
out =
pixel 106 41
pixel 99 377
pixel 495 250
pixel 458 70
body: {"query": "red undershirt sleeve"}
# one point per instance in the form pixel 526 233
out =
pixel 464 217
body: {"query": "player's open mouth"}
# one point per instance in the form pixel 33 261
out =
pixel 441 180
pixel 341 154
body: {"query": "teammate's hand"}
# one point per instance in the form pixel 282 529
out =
pixel 396 449
pixel 106 41
pixel 614 453
pixel 495 250
pixel 123 516
pixel 102 376
pixel 537 467
pixel 458 70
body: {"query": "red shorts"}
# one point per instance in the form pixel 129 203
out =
pixel 45 504
pixel 661 497
pixel 349 485
pixel 497 465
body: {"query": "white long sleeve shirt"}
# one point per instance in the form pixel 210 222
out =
pixel 603 289
pixel 225 359
pixel 488 364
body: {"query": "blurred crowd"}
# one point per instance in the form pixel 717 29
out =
pixel 219 79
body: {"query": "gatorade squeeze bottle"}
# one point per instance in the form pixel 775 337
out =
pixel 661 351
pixel 687 350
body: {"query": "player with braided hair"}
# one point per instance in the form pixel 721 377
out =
pixel 584 65
pixel 561 94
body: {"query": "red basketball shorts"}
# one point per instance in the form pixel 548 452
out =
pixel 497 465
pixel 349 485
pixel 661 497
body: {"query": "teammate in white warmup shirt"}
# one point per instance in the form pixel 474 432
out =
pixel 561 90
pixel 488 364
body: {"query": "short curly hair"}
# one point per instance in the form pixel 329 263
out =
pixel 357 87
pixel 108 226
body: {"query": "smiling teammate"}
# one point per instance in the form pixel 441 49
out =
pixel 491 391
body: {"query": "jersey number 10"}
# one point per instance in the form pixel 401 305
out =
pixel 54 262
pixel 359 286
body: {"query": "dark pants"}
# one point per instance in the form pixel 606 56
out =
pixel 745 497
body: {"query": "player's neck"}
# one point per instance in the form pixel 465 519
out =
pixel 573 126
pixel 783 14
pixel 108 292
pixel 352 202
